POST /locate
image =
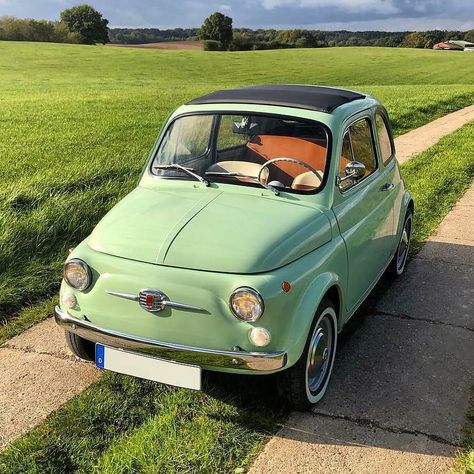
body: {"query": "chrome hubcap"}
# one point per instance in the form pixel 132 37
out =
pixel 320 349
pixel 403 246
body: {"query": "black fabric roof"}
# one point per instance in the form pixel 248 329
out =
pixel 323 99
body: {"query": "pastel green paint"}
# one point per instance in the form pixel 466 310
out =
pixel 198 244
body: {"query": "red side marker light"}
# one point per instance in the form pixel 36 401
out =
pixel 286 286
pixel 149 301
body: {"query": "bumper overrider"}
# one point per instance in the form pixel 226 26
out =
pixel 206 358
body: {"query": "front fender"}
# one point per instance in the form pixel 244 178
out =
pixel 305 311
pixel 407 197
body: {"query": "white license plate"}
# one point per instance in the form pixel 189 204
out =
pixel 147 367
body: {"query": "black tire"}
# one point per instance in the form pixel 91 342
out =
pixel 397 265
pixel 79 346
pixel 294 383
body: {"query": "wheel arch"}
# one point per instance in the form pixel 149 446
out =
pixel 326 285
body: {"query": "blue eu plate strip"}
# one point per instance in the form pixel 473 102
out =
pixel 99 355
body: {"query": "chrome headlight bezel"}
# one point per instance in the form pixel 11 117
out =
pixel 258 301
pixel 86 272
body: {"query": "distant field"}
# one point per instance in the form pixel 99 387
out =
pixel 77 123
pixel 164 45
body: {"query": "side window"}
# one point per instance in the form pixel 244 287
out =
pixel 384 139
pixel 357 145
pixel 363 145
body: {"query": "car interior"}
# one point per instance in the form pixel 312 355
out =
pixel 241 144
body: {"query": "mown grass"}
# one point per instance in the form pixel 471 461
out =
pixel 77 123
pixel 124 425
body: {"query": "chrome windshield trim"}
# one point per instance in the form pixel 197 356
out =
pixel 207 358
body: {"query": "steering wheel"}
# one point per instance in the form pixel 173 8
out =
pixel 290 160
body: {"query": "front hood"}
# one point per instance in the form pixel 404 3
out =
pixel 207 229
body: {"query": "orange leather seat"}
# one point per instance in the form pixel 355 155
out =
pixel 274 146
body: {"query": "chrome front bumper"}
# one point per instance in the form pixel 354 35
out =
pixel 206 358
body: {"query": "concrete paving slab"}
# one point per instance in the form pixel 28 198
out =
pixel 420 139
pixel 315 444
pixel 434 290
pixel 45 338
pixel 404 374
pixel 443 249
pixel 458 225
pixel 38 384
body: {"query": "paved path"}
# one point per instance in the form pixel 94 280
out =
pixel 38 374
pixel 401 382
pixel 421 138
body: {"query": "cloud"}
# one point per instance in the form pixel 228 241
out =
pixel 322 14
pixel 380 6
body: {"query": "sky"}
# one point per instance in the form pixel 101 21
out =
pixel 388 15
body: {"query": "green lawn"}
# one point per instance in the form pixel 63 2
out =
pixel 124 425
pixel 77 123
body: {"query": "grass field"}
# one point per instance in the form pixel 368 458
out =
pixel 77 123
pixel 123 425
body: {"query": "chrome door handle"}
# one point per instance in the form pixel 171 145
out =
pixel 387 187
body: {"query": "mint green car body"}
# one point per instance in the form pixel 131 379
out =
pixel 328 243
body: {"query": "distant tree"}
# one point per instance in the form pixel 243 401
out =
pixel 87 22
pixel 469 36
pixel 241 42
pixel 217 27
pixel 416 39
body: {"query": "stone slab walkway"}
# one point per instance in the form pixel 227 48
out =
pixel 38 373
pixel 402 378
pixel 421 138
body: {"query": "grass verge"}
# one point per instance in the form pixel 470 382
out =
pixel 90 115
pixel 465 458
pixel 125 425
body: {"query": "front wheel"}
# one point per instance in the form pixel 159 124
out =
pixel 79 346
pixel 305 383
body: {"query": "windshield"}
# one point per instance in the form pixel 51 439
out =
pixel 280 153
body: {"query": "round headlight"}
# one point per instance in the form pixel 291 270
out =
pixel 77 274
pixel 246 304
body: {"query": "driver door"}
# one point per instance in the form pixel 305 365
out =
pixel 363 212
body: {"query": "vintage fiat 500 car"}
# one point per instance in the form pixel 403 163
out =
pixel 263 218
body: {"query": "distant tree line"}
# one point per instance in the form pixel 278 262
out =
pixel 151 35
pixel 245 39
pixel 79 24
pixel 84 24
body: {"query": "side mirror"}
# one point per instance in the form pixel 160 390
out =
pixel 354 170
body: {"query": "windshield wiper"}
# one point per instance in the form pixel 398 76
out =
pixel 242 175
pixel 188 171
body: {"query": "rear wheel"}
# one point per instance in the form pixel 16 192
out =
pixel 399 260
pixel 79 346
pixel 305 383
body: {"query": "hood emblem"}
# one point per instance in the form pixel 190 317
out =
pixel 152 300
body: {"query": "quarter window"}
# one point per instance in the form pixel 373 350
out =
pixel 384 139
